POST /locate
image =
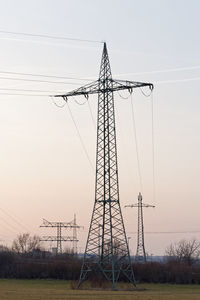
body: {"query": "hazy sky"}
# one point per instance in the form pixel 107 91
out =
pixel 44 171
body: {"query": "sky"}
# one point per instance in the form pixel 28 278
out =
pixel 45 172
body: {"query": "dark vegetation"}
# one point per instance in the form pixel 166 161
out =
pixel 181 265
pixel 39 265
pixel 67 267
pixel 168 272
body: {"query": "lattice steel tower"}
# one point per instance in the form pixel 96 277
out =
pixel 140 252
pixel 59 238
pixel 106 249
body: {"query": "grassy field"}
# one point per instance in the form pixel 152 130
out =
pixel 60 290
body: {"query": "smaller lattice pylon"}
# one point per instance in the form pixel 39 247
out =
pixel 140 252
pixel 59 238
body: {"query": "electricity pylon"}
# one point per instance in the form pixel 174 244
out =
pixel 59 238
pixel 140 252
pixel 106 251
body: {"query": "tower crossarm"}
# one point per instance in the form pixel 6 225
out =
pixel 139 205
pixel 86 90
pixel 132 205
pixel 129 85
pixel 98 86
pixel 147 205
pixel 55 238
pixel 59 224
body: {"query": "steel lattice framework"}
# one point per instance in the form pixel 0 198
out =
pixel 106 251
pixel 59 238
pixel 140 252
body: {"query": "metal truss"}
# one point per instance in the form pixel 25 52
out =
pixel 111 85
pixel 51 238
pixel 59 238
pixel 140 252
pixel 106 251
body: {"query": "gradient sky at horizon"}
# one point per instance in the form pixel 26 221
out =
pixel 44 171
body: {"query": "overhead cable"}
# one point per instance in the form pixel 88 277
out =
pixel 28 90
pixel 177 80
pixel 56 104
pixel 80 137
pixel 136 144
pixel 48 36
pixel 43 75
pixel 37 80
pixel 146 95
pixel 12 227
pixel 14 219
pixel 88 78
pixel 161 71
pixel 80 103
pixel 91 114
pixel 125 98
pixel 29 95
pixel 8 228
pixel 153 147
pixel 165 232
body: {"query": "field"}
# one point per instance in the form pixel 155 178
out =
pixel 60 290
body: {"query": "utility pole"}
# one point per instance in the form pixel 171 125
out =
pixel 140 252
pixel 59 238
pixel 107 227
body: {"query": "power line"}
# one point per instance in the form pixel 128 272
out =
pixel 29 95
pixel 162 71
pixel 165 232
pixel 12 227
pixel 8 228
pixel 79 103
pixel 153 147
pixel 91 114
pixel 125 98
pixel 88 79
pixel 56 104
pixel 49 36
pixel 160 232
pixel 14 219
pixel 136 144
pixel 90 110
pixel 146 95
pixel 177 80
pixel 28 90
pixel 36 80
pixel 80 138
pixel 75 83
pixel 43 75
pixel 152 137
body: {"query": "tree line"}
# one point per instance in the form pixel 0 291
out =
pixel 28 260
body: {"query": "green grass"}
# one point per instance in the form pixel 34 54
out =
pixel 60 290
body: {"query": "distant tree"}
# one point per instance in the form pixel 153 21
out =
pixel 25 243
pixel 117 247
pixel 68 251
pixel 184 251
pixel 4 248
